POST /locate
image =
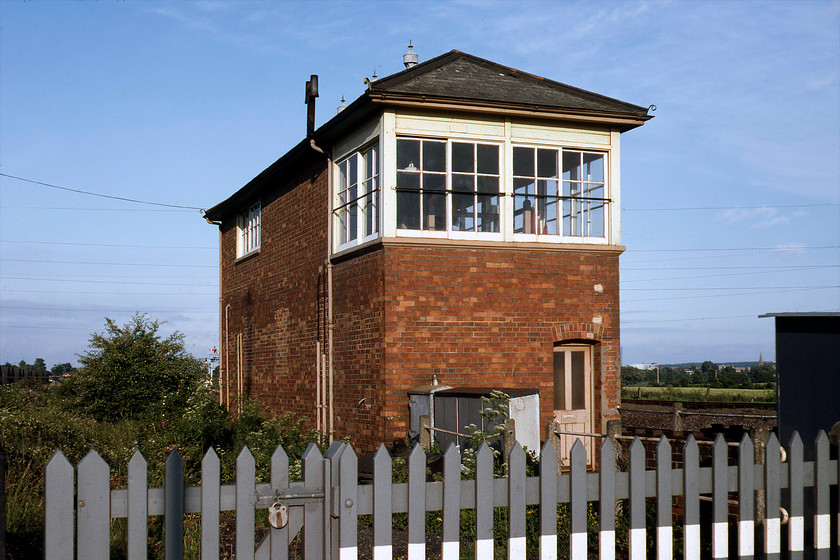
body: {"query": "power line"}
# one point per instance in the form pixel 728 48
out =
pixel 782 268
pixel 79 191
pixel 84 209
pixel 108 245
pixel 687 208
pixel 100 293
pixel 64 279
pixel 103 310
pixel 739 294
pixel 729 249
pixel 724 288
pixel 689 319
pixel 111 263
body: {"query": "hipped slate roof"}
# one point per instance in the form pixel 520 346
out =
pixel 454 81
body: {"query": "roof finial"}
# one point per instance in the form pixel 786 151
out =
pixel 342 106
pixel 410 57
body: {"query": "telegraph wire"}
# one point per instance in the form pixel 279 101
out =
pixel 122 246
pixel 64 279
pixel 111 263
pixel 688 208
pixel 112 197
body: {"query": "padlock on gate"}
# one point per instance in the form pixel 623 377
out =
pixel 278 515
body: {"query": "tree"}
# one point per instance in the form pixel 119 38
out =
pixel 130 370
pixel 60 369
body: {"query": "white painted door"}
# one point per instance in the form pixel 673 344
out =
pixel 573 396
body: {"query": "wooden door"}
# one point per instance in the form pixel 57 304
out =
pixel 573 396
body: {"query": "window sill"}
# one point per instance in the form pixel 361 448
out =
pixel 246 257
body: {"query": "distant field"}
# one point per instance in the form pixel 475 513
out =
pixel 699 394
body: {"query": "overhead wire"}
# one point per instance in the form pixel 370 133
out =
pixel 91 193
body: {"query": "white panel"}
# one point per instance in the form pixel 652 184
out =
pixel 388 179
pixel 361 135
pixel 692 541
pixel 773 536
pixel 664 542
pixel 822 531
pixel 607 545
pixel 746 537
pixel 548 547
pixel 516 548
pixel 449 127
pixel 552 134
pixel 348 553
pixel 382 552
pixel 577 548
pixel 450 549
pixel 797 534
pixel 638 543
pixel 484 549
pixel 416 551
pixel 614 190
pixel 720 540
pixel 525 412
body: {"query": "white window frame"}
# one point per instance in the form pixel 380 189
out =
pixel 357 199
pixel 449 231
pixel 248 226
pixel 560 234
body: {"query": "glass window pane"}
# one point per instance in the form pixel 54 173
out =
pixel 547 163
pixel 523 186
pixel 523 162
pixel 593 167
pixel 463 157
pixel 408 180
pixel 408 154
pixel 342 176
pixel 434 182
pixel 462 212
pixel 434 212
pixel 578 380
pixel 488 185
pixel 463 183
pixel 488 159
pixel 571 166
pixel 488 213
pixel 408 210
pixel 434 156
pixel 559 381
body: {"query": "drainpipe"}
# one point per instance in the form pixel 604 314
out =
pixel 330 322
pixel 221 329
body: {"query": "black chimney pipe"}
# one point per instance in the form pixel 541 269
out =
pixel 311 94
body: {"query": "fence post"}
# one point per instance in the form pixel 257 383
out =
pixel 173 536
pixel 606 536
pixel 516 502
pixel 548 503
pixel 138 509
pixel 664 503
pixel 58 506
pixel 94 513
pixel 210 502
pixel 382 504
pixel 484 503
pixel 746 500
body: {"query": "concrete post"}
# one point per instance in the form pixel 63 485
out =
pixel 425 434
pixel 508 438
pixel 552 436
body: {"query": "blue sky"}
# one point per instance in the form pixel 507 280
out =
pixel 730 195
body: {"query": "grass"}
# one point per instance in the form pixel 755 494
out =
pixel 700 394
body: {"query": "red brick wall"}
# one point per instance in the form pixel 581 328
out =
pixel 269 298
pixel 404 313
pixel 487 317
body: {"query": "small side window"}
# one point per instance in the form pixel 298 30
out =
pixel 248 231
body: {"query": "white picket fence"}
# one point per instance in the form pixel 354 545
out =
pixel 326 505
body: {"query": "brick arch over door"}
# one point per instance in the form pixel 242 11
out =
pixel 577 332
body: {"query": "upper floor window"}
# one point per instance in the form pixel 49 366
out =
pixel 447 186
pixel 357 206
pixel 248 231
pixel 559 192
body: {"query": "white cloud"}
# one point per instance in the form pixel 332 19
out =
pixel 761 218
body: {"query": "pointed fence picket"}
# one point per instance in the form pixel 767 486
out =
pixel 325 506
